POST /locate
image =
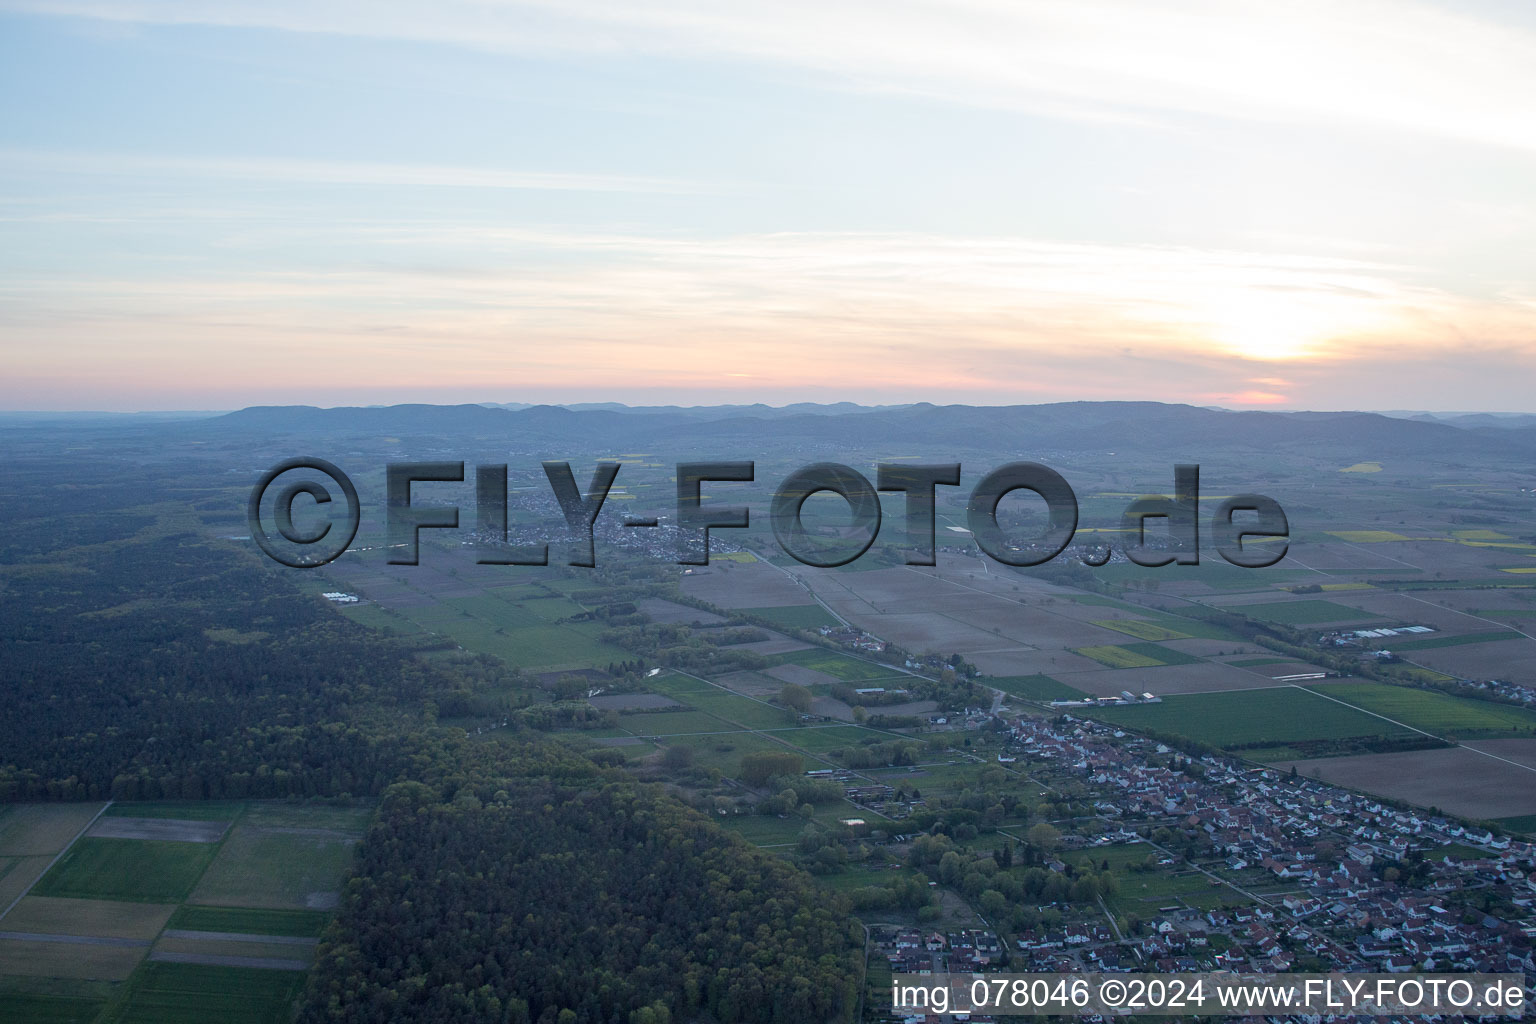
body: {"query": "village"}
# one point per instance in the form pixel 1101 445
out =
pixel 1349 913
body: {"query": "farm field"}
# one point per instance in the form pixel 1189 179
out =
pixel 804 616
pixel 1510 657
pixel 1190 627
pixel 1143 655
pixel 31 835
pixel 834 664
pixel 1520 823
pixel 1210 576
pixel 723 752
pixel 820 739
pixel 1141 629
pixel 184 810
pixel 1117 657
pixel 145 870
pixel 47 1008
pixel 1519 751
pixel 674 723
pixel 1163 680
pixel 249 921
pixel 36 830
pixel 114 919
pixel 1035 687
pixel 116 925
pixel 1275 715
pixel 1460 780
pixel 743 585
pixel 448 594
pixel 1438 713
pixel 176 993
pixel 72 961
pixel 742 711
pixel 1302 613
pixel 1429 643
pixel 277 869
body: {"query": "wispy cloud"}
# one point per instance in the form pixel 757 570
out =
pixel 338 172
pixel 916 315
pixel 1389 63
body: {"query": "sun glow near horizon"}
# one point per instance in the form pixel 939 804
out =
pixel 1181 203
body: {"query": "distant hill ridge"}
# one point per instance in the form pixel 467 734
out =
pixel 1064 426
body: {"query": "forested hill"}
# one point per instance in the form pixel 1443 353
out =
pixel 1059 427
pixel 527 889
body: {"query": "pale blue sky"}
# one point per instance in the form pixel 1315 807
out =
pixel 213 204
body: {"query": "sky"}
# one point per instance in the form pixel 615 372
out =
pixel 207 204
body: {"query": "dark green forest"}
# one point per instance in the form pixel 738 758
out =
pixel 507 880
pixel 532 886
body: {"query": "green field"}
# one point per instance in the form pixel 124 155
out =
pixel 150 871
pixel 674 723
pixel 1140 629
pixel 1035 687
pixel 505 628
pixel 508 613
pixel 1215 574
pixel 1255 662
pixel 1367 536
pixel 1299 613
pixel 551 607
pixel 167 993
pixel 1431 642
pixel 280 853
pixel 795 616
pixel 1438 713
pixel 1241 717
pixel 31 1008
pixel 250 921
pixel 1117 657
pixel 856 877
pixel 820 739
pixel 1143 892
pixel 271 869
pixel 1143 655
pixel 763 829
pixel 186 810
pixel 674 684
pixel 738 709
pixel 723 752
pixel 284 813
pixel 1525 823
pixel 374 617
pixel 835 664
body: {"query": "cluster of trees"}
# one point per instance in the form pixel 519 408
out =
pixel 169 666
pixel 571 714
pixel 682 647
pixel 538 890
pixel 763 766
pixel 951 691
pixel 880 755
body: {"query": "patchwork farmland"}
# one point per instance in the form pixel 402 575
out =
pixel 167 911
